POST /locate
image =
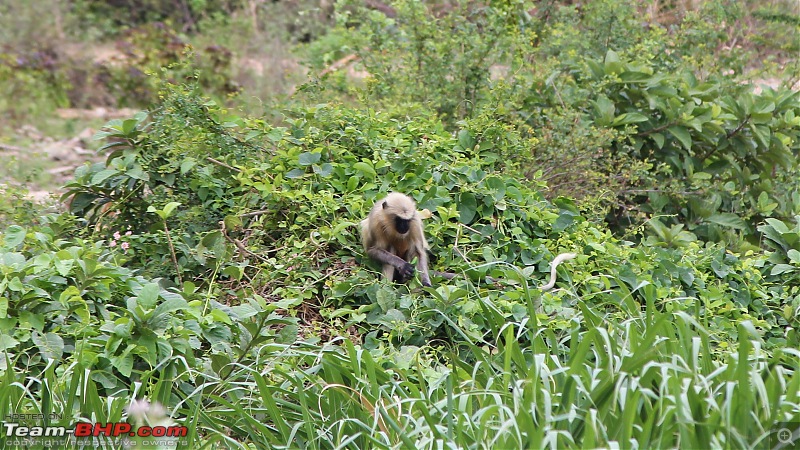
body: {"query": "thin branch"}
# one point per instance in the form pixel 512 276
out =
pixel 656 129
pixel 172 253
pixel 210 159
pixel 11 148
pixel 728 135
pixel 660 191
pixel 339 64
pixel 238 243
pixel 736 131
pixel 256 213
pixel 382 7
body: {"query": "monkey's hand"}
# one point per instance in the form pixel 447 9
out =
pixel 406 272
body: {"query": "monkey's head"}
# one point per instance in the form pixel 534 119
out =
pixel 401 209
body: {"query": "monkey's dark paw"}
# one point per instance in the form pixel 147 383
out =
pixel 406 272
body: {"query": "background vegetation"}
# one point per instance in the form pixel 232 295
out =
pixel 206 256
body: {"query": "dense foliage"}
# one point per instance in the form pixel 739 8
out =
pixel 643 118
pixel 211 261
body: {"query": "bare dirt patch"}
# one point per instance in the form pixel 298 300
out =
pixel 42 163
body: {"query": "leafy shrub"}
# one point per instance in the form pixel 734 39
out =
pixel 275 210
pixel 31 75
pixel 719 157
pixel 177 153
pixel 17 207
pixel 668 341
pixel 257 223
pixel 784 243
pixel 638 119
pixel 68 300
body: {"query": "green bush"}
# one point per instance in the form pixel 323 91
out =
pixel 275 210
pixel 32 76
pixel 725 158
pixel 68 300
pixel 640 120
pixel 215 265
pixel 177 153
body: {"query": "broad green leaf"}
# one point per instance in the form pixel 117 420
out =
pixel 220 316
pixel 129 126
pixel 779 226
pixel 628 118
pixel 324 170
pixel 138 173
pixel 467 208
pixel 612 65
pixel 50 345
pixel 365 168
pixel 287 303
pixel 103 175
pixel 465 140
pixel 729 220
pixel 352 183
pixel 187 164
pixel 497 186
pixel 342 289
pixel 7 342
pixel 779 269
pixel 14 236
pixel 308 158
pixel 148 296
pixel 63 263
pixel 565 219
pixel 287 335
pixel 70 295
pixel 393 316
pixel 682 135
pixel 604 110
pixel 169 207
pixel 170 305
pixel 276 134
pixel 295 173
pixel 124 362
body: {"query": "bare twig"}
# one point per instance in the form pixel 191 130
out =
pixel 238 243
pixel 656 129
pixel 339 64
pixel 220 163
pixel 11 148
pixel 172 253
pixel 256 213
pixel 382 7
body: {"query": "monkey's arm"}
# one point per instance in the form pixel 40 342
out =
pixel 405 269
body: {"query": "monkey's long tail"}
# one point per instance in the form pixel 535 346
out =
pixel 553 266
pixel 446 275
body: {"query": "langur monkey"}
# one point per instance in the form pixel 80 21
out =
pixel 393 235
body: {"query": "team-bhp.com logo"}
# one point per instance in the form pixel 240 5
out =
pixel 16 433
pixel 149 426
pixel 109 430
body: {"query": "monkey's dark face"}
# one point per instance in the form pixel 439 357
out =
pixel 402 225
